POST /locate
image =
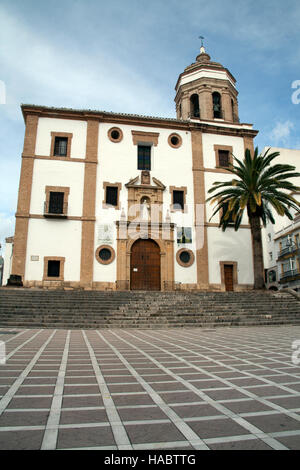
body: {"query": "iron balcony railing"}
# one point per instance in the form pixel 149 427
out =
pixel 291 249
pixel 290 275
pixel 55 210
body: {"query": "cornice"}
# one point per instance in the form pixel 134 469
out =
pixel 135 119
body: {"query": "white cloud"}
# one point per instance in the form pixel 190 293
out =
pixel 281 133
pixel 59 75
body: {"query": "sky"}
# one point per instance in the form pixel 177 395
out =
pixel 126 55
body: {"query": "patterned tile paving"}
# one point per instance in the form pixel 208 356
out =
pixel 188 389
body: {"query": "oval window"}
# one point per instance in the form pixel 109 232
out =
pixel 185 257
pixel 105 254
pixel 115 134
pixel 175 140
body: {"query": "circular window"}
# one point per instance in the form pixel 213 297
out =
pixel 115 134
pixel 185 257
pixel 175 140
pixel 105 254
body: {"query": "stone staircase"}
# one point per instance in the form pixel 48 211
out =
pixel 30 308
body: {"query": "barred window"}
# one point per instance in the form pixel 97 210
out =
pixel 56 203
pixel 178 199
pixel 144 157
pixel 111 195
pixel 60 146
pixel 224 159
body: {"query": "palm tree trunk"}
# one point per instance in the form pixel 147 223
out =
pixel 258 260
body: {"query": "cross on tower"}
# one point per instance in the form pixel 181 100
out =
pixel 201 37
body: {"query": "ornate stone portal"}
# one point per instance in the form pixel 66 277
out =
pixel 145 220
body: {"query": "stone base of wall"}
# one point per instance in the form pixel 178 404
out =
pixel 124 286
pixel 237 287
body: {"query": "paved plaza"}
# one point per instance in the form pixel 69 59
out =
pixel 166 389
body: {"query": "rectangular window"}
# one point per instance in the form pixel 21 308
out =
pixel 224 159
pixel 178 200
pixel 60 146
pixel 53 269
pixel 111 197
pixel 56 203
pixel 286 242
pixel 289 265
pixel 144 157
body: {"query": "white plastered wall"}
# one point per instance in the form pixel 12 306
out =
pixel 118 164
pixel 52 237
pixel 76 127
pixel 228 245
pixel 57 173
pixel 208 142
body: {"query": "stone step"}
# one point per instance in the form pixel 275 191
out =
pixel 143 318
pixel 176 317
pixel 93 309
pixel 211 324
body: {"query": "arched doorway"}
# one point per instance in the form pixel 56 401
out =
pixel 145 265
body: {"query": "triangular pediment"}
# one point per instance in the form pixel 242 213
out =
pixel 145 181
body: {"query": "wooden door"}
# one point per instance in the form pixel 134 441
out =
pixel 145 265
pixel 228 276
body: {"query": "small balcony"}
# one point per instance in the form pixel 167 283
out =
pixel 288 251
pixel 292 275
pixel 59 211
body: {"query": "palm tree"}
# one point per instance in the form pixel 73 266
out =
pixel 257 186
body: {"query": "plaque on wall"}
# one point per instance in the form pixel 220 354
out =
pixel 105 234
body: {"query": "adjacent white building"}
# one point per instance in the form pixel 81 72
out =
pixel 117 201
pixel 281 240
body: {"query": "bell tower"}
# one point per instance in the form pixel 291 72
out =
pixel 206 91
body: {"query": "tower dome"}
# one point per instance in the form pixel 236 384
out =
pixel 206 91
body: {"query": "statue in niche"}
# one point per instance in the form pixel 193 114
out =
pixel 145 209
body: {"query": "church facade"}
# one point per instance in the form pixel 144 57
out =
pixel 117 201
